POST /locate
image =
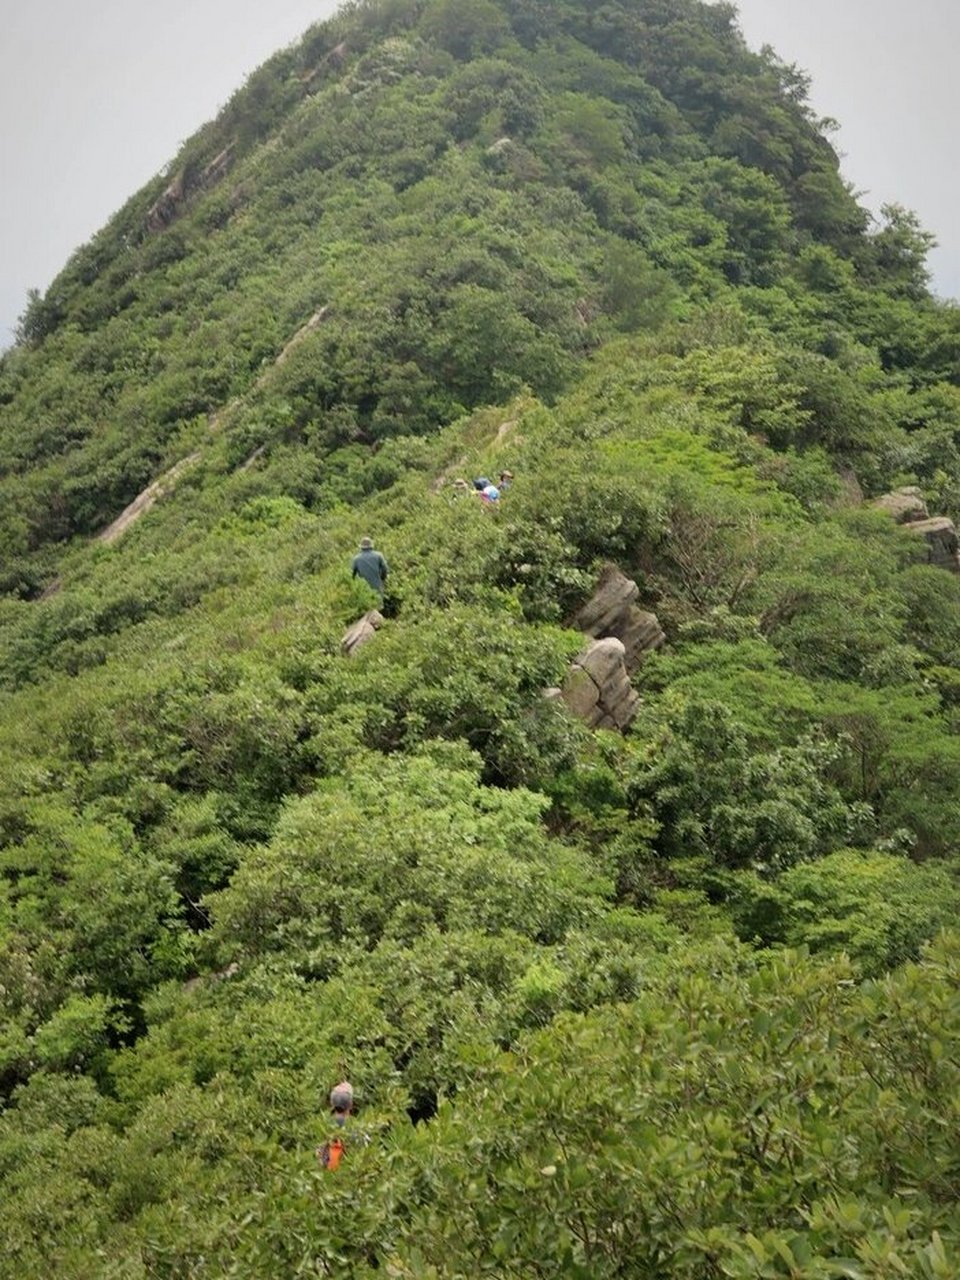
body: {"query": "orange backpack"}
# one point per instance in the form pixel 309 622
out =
pixel 331 1153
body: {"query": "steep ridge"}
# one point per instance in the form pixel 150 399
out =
pixel 667 991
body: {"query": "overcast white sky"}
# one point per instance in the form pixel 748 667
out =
pixel 97 95
pixel 887 71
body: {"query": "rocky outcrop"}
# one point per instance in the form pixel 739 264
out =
pixel 164 210
pixel 208 980
pixel 597 688
pixel 943 545
pixel 314 78
pixel 315 321
pixel 144 501
pixel 360 633
pixel 908 508
pixel 612 611
pixel 851 494
pixel 904 505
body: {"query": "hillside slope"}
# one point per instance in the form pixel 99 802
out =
pixel 664 1003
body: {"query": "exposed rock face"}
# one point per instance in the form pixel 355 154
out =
pixel 908 508
pixel 612 611
pixel 144 501
pixel 598 688
pixel 500 146
pixel 904 505
pixel 851 495
pixel 361 631
pixel 943 545
pixel 164 210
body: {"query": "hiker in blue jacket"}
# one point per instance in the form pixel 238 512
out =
pixel 370 565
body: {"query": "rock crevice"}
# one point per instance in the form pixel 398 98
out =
pixel 597 687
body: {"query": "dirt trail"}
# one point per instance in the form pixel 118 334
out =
pixel 144 501
pixel 503 431
pixel 167 482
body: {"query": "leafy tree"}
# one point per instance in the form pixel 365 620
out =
pixel 711 797
pixel 877 907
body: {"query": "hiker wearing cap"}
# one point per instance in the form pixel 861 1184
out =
pixel 341 1101
pixel 370 565
pixel 487 490
pixel 341 1107
pixel 506 479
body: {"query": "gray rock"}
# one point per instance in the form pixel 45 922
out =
pixel 905 505
pixel 360 633
pixel 612 611
pixel 603 660
pixel 613 593
pixel 943 545
pixel 598 688
pixel 580 692
pixel 851 495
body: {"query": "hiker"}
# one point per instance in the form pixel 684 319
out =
pixel 487 490
pixel 506 479
pixel 370 565
pixel 341 1106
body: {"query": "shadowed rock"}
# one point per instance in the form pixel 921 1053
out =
pixel 904 505
pixel 598 688
pixel 612 611
pixel 360 633
pixel 908 508
pixel 167 208
pixel 943 545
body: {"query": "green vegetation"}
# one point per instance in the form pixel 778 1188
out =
pixel 681 1002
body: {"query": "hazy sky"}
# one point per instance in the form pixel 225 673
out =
pixel 887 71
pixel 97 95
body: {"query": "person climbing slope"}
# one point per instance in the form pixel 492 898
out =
pixel 487 490
pixel 370 565
pixel 341 1106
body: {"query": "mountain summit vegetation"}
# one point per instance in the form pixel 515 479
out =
pixel 678 1003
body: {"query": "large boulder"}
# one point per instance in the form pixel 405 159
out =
pixel 362 631
pixel 612 610
pixel 908 508
pixel 943 545
pixel 851 494
pixel 905 505
pixel 598 688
